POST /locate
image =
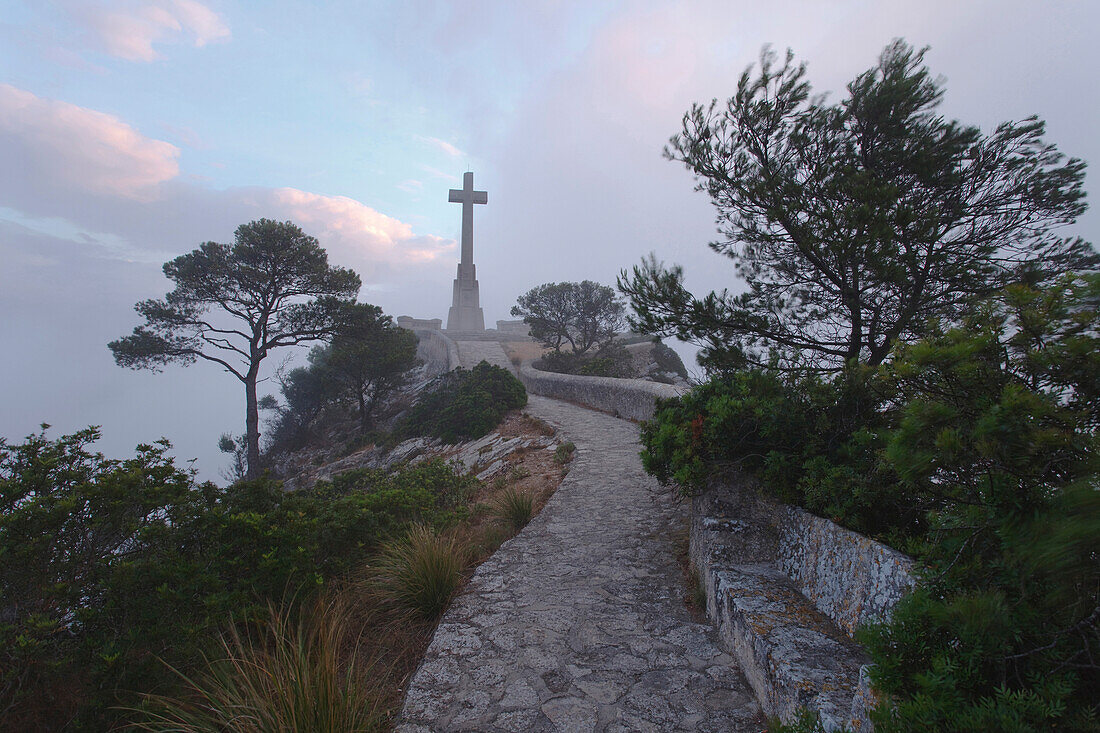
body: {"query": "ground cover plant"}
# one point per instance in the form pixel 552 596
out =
pixel 292 674
pixel 418 573
pixel 514 508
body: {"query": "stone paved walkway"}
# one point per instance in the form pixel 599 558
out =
pixel 578 623
pixel 472 353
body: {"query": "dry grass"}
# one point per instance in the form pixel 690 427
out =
pixel 513 508
pixel 368 644
pixel 419 572
pixel 520 351
pixel 296 674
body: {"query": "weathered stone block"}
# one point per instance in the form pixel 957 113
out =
pixel 787 590
pixel 792 655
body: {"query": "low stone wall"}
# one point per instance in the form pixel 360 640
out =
pixel 489 334
pixel 436 350
pixel 514 328
pixel 787 591
pixel 432 324
pixel 633 399
pixel 849 577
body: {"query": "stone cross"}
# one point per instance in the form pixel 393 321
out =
pixel 466 313
pixel 467 196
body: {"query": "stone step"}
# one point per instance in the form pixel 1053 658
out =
pixel 793 656
pixel 472 353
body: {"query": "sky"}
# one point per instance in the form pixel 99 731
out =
pixel 133 131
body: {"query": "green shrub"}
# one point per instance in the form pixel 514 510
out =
pixel 564 452
pixel 612 360
pixel 514 508
pixel 419 572
pixel 430 493
pixel 975 449
pixel 668 360
pixel 811 442
pixel 291 675
pixel 464 405
pixel 996 436
pixel 107 565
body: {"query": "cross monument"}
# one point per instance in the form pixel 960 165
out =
pixel 466 313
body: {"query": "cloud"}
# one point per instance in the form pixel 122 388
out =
pixel 186 136
pixel 91 182
pixel 411 186
pixel 129 30
pixel 443 145
pixel 55 145
pixel 355 228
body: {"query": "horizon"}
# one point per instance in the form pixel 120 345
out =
pixel 141 129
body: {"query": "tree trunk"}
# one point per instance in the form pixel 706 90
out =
pixel 252 424
pixel 362 411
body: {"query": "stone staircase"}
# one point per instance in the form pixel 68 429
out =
pixel 472 353
pixel 787 590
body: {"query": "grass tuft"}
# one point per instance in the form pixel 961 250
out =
pixel 419 572
pixel 564 452
pixel 514 508
pixel 291 675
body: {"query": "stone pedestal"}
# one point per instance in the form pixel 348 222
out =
pixel 466 313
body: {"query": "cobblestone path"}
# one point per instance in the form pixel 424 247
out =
pixel 578 623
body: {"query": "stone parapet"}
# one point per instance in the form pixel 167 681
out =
pixel 413 324
pixel 514 327
pixel 849 577
pixel 633 399
pixel 489 334
pixel 436 350
pixel 787 591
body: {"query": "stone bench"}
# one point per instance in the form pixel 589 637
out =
pixel 787 590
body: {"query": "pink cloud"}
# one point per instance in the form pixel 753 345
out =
pixel 57 144
pixel 350 227
pixel 95 172
pixel 128 30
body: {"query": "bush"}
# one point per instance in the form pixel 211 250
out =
pixel 811 442
pixel 996 437
pixel 612 360
pixel 564 452
pixel 419 572
pixel 429 493
pixel 975 449
pixel 463 405
pixel 668 360
pixel 107 565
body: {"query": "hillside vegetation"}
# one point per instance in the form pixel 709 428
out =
pixel 916 357
pixel 132 593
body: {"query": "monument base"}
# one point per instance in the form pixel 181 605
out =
pixel 466 313
pixel 465 318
